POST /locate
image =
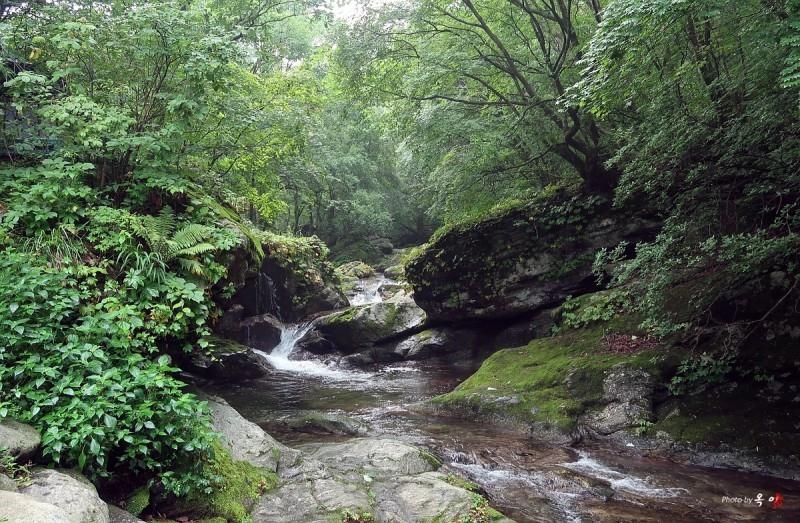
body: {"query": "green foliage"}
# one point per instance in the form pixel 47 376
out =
pixel 356 516
pixel 696 373
pixel 592 308
pixel 480 511
pixel 19 472
pixel 73 365
pixel 236 487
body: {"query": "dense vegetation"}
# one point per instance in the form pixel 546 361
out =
pixel 142 140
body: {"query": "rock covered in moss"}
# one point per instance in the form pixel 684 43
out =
pixel 246 440
pixel 226 360
pixel 628 392
pixel 517 260
pixel 362 327
pixel 295 279
pixel 355 270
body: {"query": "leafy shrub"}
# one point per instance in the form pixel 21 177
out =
pixel 72 364
pixel 592 308
pixel 698 372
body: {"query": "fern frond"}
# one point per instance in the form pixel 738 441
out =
pixel 192 266
pixel 194 250
pixel 188 236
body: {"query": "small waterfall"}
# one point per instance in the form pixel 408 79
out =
pixel 370 291
pixel 279 357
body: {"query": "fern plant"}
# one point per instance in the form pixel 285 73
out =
pixel 168 243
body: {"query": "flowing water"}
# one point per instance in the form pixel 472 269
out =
pixel 529 480
pixel 368 290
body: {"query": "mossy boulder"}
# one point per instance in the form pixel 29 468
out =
pixel 564 384
pixel 355 270
pixel 518 259
pixel 227 360
pixel 295 279
pixel 360 328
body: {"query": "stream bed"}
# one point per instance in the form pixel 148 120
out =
pixel 529 480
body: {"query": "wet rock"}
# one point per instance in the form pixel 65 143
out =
pixel 294 279
pixel 70 492
pixel 378 458
pixel 18 507
pixel 629 393
pixel 315 343
pixel 246 440
pixel 395 272
pixel 423 345
pixel 226 360
pixel 22 441
pixel 261 332
pixel 527 258
pixel 321 423
pixel 360 328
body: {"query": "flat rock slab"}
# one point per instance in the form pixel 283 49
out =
pixel 424 497
pixel 378 458
pixel 70 492
pixel 21 440
pixel 19 507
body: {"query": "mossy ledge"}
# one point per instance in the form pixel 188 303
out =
pixel 552 381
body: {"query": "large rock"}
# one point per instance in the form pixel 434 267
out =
pixel 425 497
pixel 261 332
pixel 376 457
pixel 360 328
pixel 15 507
pixel 294 280
pixel 21 440
pixel 247 441
pixel 528 258
pixel 629 395
pixel 70 492
pixel 226 360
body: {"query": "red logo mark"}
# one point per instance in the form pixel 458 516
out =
pixel 777 500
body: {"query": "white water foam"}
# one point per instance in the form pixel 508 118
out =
pixel 620 481
pixel 371 291
pixel 279 357
pixel 499 480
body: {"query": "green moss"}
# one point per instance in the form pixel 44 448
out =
pixel 138 501
pixel 240 484
pixel 430 458
pixel 458 481
pixel 551 380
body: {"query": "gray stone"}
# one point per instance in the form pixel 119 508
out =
pixel 360 328
pixel 628 393
pixel 261 332
pixel 7 483
pixel 314 501
pixel 379 458
pixel 247 441
pixel 430 342
pixel 227 360
pixel 424 497
pixel 15 507
pixel 69 491
pixel 395 272
pixel 22 441
pixel 121 516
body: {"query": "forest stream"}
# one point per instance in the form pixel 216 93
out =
pixel 527 479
